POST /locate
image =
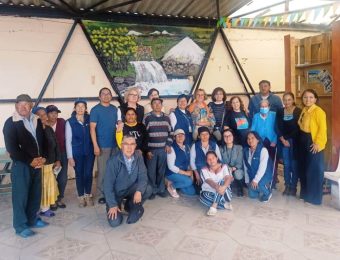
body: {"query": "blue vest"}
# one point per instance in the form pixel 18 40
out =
pixel 81 139
pixel 184 121
pixel 200 159
pixel 255 163
pixel 182 158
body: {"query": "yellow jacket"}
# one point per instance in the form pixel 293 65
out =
pixel 313 120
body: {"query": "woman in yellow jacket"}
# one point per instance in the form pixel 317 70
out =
pixel 313 139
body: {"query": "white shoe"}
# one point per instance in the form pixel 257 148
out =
pixel 228 206
pixel 212 211
pixel 172 191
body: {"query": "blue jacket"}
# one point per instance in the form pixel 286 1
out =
pixel 252 168
pixel 182 158
pixel 184 121
pixel 265 128
pixel 81 139
pixel 254 103
pixel 117 180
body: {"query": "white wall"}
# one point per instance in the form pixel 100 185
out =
pixel 29 47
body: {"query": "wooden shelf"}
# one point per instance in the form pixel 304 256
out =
pixel 306 65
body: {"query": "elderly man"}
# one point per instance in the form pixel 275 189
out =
pixel 265 94
pixel 23 134
pixel 126 178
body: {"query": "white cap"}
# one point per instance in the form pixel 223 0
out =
pixel 179 131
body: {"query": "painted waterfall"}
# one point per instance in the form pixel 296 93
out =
pixel 164 57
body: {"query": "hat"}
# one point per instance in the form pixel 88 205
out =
pixel 179 131
pixel 23 98
pixel 203 129
pixel 36 109
pixel 182 96
pixel 155 99
pixel 52 108
pixel 79 100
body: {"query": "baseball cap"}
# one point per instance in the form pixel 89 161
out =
pixel 23 98
pixel 36 109
pixel 179 131
pixel 79 100
pixel 52 108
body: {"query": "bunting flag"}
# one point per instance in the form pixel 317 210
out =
pixel 279 19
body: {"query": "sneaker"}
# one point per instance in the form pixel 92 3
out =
pixel 286 192
pixel 48 213
pixel 82 202
pixel 212 211
pixel 265 199
pixel 228 206
pixel 102 201
pixel 60 203
pixel 39 223
pixel 172 191
pixel 26 233
pixel 89 200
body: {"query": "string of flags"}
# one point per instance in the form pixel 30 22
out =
pixel 278 19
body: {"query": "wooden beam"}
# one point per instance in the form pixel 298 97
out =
pixel 335 93
pixel 288 71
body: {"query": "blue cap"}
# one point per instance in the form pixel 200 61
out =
pixel 80 100
pixel 36 109
pixel 182 96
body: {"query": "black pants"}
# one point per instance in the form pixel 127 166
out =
pixel 127 194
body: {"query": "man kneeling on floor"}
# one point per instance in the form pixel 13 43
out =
pixel 126 178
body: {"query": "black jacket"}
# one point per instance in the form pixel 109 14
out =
pixel 51 149
pixel 20 144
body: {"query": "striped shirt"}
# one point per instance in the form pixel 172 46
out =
pixel 159 130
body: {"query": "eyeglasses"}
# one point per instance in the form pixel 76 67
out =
pixel 134 95
pixel 129 144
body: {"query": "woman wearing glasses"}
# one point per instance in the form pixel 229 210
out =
pixel 131 97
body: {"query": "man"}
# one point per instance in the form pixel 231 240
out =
pixel 126 178
pixel 103 120
pixel 158 128
pixel 58 125
pixel 23 134
pixel 265 93
pixel 198 151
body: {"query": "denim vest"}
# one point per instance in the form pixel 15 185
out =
pixel 184 121
pixel 182 158
pixel 200 159
pixel 81 139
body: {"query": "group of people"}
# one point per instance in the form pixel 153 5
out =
pixel 209 149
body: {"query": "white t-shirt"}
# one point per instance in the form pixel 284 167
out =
pixel 216 177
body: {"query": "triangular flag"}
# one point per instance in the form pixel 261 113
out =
pixel 255 21
pixel 278 20
pixel 242 21
pixel 265 21
pixel 234 22
pixel 317 13
pixel 272 19
pixel 284 18
pixel 300 14
pixel 250 22
pixel 326 10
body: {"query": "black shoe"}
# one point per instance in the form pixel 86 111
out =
pixel 153 196
pixel 54 207
pixel 162 194
pixel 135 214
pixel 60 204
pixel 286 192
pixel 239 192
pixel 102 201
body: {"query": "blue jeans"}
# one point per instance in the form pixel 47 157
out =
pixel 156 170
pixel 84 173
pixel 264 188
pixel 182 182
pixel 26 195
pixel 290 166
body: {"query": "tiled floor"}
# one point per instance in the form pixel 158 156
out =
pixel 284 228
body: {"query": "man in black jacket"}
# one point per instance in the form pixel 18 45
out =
pixel 23 134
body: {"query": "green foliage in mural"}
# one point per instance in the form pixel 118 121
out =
pixel 115 47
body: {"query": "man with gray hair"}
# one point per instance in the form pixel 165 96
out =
pixel 126 178
pixel 23 134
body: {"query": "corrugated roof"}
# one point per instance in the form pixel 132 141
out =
pixel 172 8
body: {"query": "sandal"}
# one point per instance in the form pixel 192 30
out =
pixel 212 211
pixel 48 213
pixel 60 204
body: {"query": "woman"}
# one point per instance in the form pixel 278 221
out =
pixel 258 168
pixel 134 128
pixel 153 93
pixel 200 113
pixel 237 119
pixel 216 193
pixel 312 142
pixel 288 129
pixel 52 155
pixel 178 173
pixel 218 108
pixel 264 123
pixel 131 97
pixel 79 149
pixel 181 118
pixel 232 155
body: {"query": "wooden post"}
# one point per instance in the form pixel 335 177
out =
pixel 289 47
pixel 335 93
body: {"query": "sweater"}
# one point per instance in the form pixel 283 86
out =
pixel 233 157
pixel 60 134
pixel 287 125
pixel 20 143
pixel 254 103
pixel 159 130
pixel 118 180
pixel 138 131
pixel 265 127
